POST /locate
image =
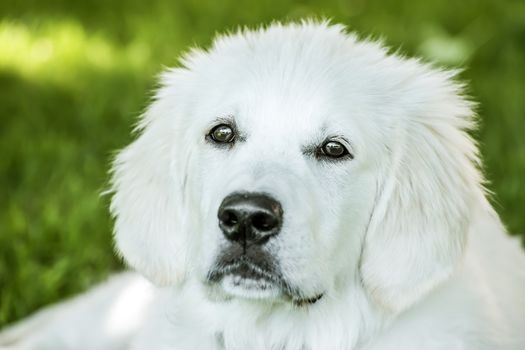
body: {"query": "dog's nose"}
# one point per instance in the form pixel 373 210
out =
pixel 250 218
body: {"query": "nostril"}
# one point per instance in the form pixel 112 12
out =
pixel 229 218
pixel 264 222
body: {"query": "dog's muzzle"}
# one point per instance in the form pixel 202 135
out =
pixel 248 221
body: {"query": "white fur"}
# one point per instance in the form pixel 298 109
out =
pixel 401 240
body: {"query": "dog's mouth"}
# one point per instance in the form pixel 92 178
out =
pixel 248 280
pixel 245 278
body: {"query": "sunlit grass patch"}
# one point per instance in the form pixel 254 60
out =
pixel 57 51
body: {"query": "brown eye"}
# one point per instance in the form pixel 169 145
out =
pixel 222 134
pixel 334 149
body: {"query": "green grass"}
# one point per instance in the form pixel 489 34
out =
pixel 75 74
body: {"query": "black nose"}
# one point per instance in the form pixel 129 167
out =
pixel 250 218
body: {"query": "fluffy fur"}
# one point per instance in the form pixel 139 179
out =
pixel 400 240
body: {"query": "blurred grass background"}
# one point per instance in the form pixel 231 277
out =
pixel 75 74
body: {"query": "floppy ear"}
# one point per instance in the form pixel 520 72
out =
pixel 418 229
pixel 147 185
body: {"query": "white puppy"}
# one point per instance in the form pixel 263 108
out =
pixel 294 188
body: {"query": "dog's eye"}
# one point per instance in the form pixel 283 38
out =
pixel 222 134
pixel 334 149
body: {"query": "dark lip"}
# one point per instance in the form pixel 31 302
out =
pixel 307 301
pixel 245 268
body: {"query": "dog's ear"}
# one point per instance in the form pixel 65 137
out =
pixel 147 185
pixel 418 230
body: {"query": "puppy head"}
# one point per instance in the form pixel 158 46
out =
pixel 290 162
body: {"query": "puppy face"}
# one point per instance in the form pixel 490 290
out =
pixel 288 163
pixel 279 146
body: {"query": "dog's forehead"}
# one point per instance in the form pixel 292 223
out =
pixel 286 109
pixel 281 100
pixel 295 77
pixel 300 81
